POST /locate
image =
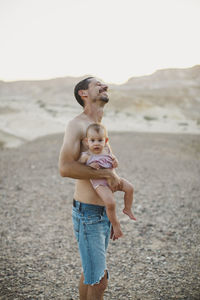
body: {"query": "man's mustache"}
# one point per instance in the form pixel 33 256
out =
pixel 103 90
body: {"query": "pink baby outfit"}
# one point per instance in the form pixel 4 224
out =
pixel 105 162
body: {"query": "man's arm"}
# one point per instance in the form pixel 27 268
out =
pixel 69 166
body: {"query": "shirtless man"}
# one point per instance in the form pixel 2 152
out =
pixel 92 95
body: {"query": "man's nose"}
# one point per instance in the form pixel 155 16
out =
pixel 105 87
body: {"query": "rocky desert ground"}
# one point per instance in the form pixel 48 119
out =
pixel 157 259
pixel 154 125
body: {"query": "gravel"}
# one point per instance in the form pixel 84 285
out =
pixel 159 255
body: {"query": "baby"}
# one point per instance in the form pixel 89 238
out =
pixel 100 156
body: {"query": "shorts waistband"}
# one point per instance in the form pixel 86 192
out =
pixel 85 206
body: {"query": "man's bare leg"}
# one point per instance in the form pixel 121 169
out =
pixel 83 289
pixel 128 190
pixel 96 291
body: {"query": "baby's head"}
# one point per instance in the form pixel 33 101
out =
pixel 96 137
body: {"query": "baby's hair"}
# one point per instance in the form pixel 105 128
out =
pixel 97 127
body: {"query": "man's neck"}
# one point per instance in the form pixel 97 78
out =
pixel 94 112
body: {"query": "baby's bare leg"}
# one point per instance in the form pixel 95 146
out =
pixel 128 190
pixel 106 195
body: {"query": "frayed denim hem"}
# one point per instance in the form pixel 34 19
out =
pixel 100 277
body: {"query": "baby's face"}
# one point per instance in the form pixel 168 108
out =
pixel 96 141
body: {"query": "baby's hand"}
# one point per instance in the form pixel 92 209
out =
pixel 115 162
pixel 94 165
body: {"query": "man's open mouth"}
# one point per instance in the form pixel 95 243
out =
pixel 104 93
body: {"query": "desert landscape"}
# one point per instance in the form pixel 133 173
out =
pixel 166 101
pixel 154 126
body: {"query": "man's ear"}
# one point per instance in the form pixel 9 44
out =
pixel 106 139
pixel 82 93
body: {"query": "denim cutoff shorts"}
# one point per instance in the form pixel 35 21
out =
pixel 92 231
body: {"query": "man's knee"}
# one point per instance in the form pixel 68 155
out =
pixel 103 282
pixel 102 285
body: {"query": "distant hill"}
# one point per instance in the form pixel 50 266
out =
pixel 163 91
pixel 170 89
pixel 166 101
pixel 52 91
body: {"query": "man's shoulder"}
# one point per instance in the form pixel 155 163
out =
pixel 76 122
pixel 79 122
pixel 76 126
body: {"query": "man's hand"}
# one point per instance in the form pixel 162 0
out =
pixel 112 234
pixel 114 181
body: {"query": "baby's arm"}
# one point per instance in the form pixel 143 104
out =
pixel 115 160
pixel 84 158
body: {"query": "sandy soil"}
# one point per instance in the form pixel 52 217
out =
pixel 158 257
pixel 28 120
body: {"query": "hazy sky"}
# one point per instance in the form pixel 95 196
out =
pixel 111 39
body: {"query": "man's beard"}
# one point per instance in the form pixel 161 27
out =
pixel 105 99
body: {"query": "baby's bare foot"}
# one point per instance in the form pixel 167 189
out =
pixel 129 213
